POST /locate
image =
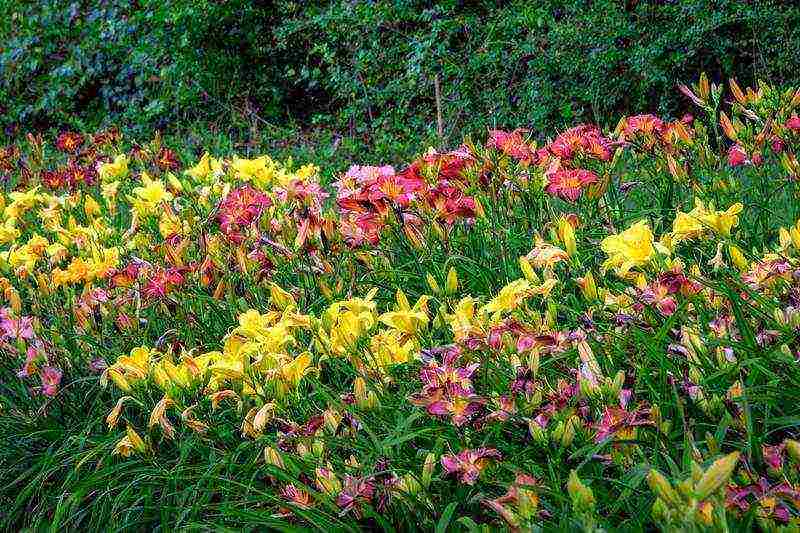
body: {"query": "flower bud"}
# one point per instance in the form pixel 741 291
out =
pixel 327 482
pixel 537 432
pixel 332 419
pixel 588 286
pixel 663 489
pixel 737 257
pixel 434 286
pixel 581 495
pixel 408 484
pixel 318 447
pixel 567 234
pixel 569 431
pixel 527 270
pixel 794 234
pixel 716 476
pixel 365 399
pixel 619 381
pixel 427 469
pixel 793 449
pixel 451 284
pixel 558 432
pixel 136 441
pixel 273 457
pixel 660 512
pixel 533 362
pixel 280 298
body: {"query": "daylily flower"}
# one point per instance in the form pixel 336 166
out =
pixel 629 249
pixel 207 167
pixel 240 208
pixel 461 408
pixel 69 141
pixel 355 491
pixel 568 184
pixel 700 219
pixel 509 297
pixel 149 196
pixel 773 500
pixel 511 144
pixel 116 170
pixel 297 497
pixel 620 423
pixel 51 378
pixel 468 464
pixel 737 156
pixel 545 255
pixel 260 171
pixel 584 139
pixel 519 504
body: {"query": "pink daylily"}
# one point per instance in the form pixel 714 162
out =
pixel 468 465
pixel 51 379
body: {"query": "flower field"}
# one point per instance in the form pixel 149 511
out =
pixel 597 332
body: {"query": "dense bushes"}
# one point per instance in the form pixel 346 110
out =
pixel 366 69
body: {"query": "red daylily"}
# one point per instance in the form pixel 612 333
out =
pixel 69 141
pixel 568 184
pixel 240 208
pixel 511 144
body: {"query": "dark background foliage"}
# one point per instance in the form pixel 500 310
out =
pixel 364 70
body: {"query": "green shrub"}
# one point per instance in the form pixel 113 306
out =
pixel 366 69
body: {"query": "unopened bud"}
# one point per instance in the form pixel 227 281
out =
pixel 434 286
pixel 737 257
pixel 327 482
pixel 273 457
pixel 527 270
pixel 716 476
pixel 793 449
pixel 567 234
pixel 332 419
pixel 569 431
pixel 451 284
pixel 318 447
pixel 581 495
pixel 537 432
pixel 588 287
pixel 427 469
pixel 663 489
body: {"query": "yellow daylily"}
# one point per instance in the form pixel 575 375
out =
pixel 8 231
pixel 206 168
pixel 115 170
pixel 509 297
pixel 149 196
pixel 260 170
pixel 130 443
pixel 290 374
pixel 461 321
pixel 388 348
pixel 631 248
pixel 408 321
pixel 21 202
pixel 701 219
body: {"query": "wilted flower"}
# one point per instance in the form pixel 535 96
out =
pixel 355 491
